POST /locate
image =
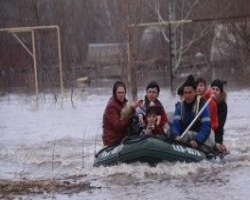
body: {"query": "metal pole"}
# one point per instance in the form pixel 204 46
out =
pixel 128 59
pixel 60 61
pixel 131 74
pixel 32 29
pixel 170 59
pixel 26 29
pixel 24 46
pixel 35 63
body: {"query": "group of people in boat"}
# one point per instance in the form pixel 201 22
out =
pixel 198 120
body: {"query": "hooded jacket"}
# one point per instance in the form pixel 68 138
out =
pixel 222 116
pixel 114 128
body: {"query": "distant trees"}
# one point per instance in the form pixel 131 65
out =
pixel 232 44
pixel 238 40
pixel 103 21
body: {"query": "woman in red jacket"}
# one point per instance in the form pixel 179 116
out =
pixel 115 128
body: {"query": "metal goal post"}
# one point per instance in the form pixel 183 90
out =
pixel 32 52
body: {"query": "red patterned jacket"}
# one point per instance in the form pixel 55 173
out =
pixel 213 110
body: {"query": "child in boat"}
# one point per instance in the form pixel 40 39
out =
pixel 152 117
pixel 142 114
pixel 151 98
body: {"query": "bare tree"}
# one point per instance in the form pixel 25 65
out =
pixel 118 21
pixel 232 42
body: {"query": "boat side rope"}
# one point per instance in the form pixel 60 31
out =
pixel 120 148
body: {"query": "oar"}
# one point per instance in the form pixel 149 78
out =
pixel 196 117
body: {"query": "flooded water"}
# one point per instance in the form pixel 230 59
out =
pixel 47 152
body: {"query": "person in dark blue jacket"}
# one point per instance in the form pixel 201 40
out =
pixel 186 111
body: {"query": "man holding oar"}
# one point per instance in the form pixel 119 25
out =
pixel 191 118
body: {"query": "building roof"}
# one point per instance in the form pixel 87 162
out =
pixel 106 53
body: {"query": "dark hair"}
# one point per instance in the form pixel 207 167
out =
pixel 153 84
pixel 153 110
pixel 180 90
pixel 190 82
pixel 201 80
pixel 118 84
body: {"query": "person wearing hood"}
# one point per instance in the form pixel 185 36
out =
pixel 115 127
pixel 185 113
pixel 220 96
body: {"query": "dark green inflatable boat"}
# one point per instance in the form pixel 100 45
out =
pixel 148 149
